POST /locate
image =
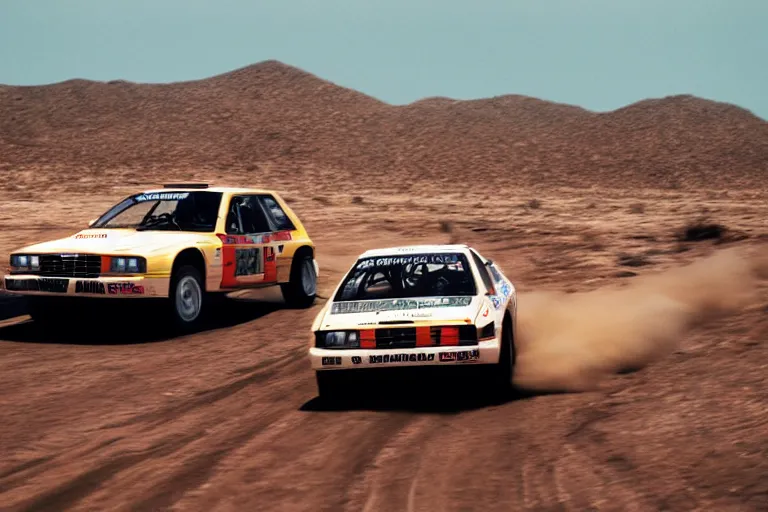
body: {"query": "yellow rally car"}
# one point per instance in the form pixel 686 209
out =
pixel 184 242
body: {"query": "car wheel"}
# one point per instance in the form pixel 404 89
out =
pixel 503 371
pixel 187 297
pixel 42 310
pixel 330 384
pixel 301 290
pixel 52 312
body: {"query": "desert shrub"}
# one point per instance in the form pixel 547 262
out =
pixel 702 230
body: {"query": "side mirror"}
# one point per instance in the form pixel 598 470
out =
pixel 91 222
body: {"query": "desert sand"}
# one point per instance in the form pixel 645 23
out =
pixel 643 364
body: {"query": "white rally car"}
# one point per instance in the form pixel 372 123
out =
pixel 427 305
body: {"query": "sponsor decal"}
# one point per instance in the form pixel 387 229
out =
pixel 53 285
pixel 485 313
pixel 370 306
pixel 91 235
pixel 401 358
pixel 280 236
pixel 265 238
pixel 90 287
pixel 37 285
pixel 125 289
pixel 357 359
pixel 464 355
pixel 389 261
pixel 162 196
pixel 496 275
pixel 505 290
pixel 248 262
pixel 331 361
pixel 217 254
pixel 496 302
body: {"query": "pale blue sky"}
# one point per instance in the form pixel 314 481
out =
pixel 600 54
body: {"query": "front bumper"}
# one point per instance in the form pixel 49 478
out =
pixel 486 352
pixel 100 287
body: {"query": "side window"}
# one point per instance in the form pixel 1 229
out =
pixel 282 222
pixel 246 217
pixel 484 275
pixel 495 273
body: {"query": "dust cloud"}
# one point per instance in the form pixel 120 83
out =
pixel 572 341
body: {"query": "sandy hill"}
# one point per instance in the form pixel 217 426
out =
pixel 271 112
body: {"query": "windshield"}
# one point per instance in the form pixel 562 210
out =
pixel 165 211
pixel 414 275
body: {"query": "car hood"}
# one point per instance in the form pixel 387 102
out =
pixel 113 241
pixel 418 311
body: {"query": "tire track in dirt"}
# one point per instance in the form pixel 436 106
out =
pixel 196 455
pixel 241 430
pixel 394 478
pixel 298 461
pixel 200 411
pixel 263 372
pixel 223 435
pixel 24 472
pixel 71 492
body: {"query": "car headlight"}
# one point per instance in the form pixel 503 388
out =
pixel 25 262
pixel 128 265
pixel 338 339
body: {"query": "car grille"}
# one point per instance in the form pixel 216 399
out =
pixel 70 265
pixel 406 337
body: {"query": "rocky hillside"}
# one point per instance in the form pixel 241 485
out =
pixel 274 113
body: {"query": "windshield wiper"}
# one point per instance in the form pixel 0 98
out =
pixel 158 223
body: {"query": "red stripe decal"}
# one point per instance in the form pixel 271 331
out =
pixel 423 337
pixel 106 262
pixel 270 265
pixel 368 338
pixel 449 336
pixel 281 236
pixel 228 266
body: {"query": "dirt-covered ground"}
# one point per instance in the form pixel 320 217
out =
pixel 119 416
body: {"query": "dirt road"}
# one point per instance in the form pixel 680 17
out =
pixel 122 417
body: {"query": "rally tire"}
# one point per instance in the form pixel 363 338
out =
pixel 331 384
pixel 504 369
pixel 47 312
pixel 187 297
pixel 301 290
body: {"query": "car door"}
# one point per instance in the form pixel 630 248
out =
pixel 250 244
